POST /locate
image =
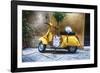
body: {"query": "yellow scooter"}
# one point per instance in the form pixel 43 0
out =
pixel 65 40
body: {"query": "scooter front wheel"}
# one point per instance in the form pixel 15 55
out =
pixel 41 47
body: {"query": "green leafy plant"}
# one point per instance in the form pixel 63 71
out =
pixel 59 16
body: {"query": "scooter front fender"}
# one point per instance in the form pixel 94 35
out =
pixel 43 40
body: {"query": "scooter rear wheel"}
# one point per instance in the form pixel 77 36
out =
pixel 72 49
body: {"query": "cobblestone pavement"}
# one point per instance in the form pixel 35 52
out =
pixel 33 55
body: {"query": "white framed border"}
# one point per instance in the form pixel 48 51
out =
pixel 54 63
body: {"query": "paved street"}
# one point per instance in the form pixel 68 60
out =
pixel 33 55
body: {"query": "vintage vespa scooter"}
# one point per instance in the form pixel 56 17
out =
pixel 65 40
